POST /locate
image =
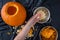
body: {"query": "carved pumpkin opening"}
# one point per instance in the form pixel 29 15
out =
pixel 11 10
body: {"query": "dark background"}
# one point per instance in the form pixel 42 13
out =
pixel 30 5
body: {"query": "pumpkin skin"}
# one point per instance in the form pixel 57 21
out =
pixel 13 14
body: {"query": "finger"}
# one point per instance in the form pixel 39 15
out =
pixel 34 19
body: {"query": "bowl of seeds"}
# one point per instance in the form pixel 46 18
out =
pixel 44 12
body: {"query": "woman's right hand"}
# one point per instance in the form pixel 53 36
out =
pixel 25 30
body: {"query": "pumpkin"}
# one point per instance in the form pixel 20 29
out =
pixel 13 13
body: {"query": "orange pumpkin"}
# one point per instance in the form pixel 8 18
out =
pixel 13 13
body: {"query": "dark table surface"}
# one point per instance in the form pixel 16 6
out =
pixel 30 5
